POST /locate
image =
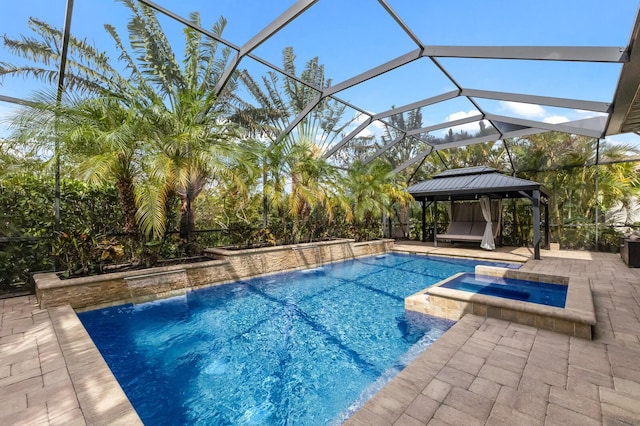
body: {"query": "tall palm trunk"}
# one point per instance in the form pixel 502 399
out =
pixel 127 201
pixel 557 218
pixel 186 220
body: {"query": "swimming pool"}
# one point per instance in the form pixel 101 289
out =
pixel 511 288
pixel 304 347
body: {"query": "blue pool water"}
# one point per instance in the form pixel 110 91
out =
pixel 293 348
pixel 509 288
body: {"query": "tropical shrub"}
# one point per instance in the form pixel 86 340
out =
pixel 27 232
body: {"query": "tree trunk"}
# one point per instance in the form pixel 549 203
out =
pixel 128 206
pixel 295 230
pixel 557 219
pixel 127 201
pixel 516 226
pixel 186 221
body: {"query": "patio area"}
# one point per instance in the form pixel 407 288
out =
pixel 482 371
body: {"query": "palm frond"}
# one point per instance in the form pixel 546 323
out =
pixel 153 51
pixel 151 209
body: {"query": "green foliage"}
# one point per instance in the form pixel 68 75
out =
pixel 151 134
pixel 18 259
pixel 110 250
pixel 81 253
pixel 27 207
pixel 27 218
pixel 147 122
pixel 75 249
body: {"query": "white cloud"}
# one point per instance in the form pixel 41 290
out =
pixel 555 119
pixel 376 128
pixel 524 110
pixel 468 127
pixel 461 114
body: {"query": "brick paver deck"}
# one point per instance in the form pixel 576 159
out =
pixel 489 371
pixel 482 371
pixel 51 372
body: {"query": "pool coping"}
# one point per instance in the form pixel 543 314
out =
pixel 575 319
pixel 99 393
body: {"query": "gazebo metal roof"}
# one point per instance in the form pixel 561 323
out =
pixel 472 182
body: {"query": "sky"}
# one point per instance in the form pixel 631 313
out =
pixel 352 36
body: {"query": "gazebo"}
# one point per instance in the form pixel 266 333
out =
pixel 475 182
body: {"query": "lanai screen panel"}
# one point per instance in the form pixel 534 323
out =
pixel 278 96
pixel 413 82
pixel 244 18
pixel 348 37
pixel 445 114
pixel 380 54
pixel 15 25
pixel 365 144
pixel 556 78
pixel 496 22
pixel 544 113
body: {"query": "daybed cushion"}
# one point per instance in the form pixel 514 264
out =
pixel 459 231
pixel 466 231
pixel 459 237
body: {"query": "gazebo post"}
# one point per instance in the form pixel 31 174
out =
pixel 435 223
pixel 536 224
pixel 424 220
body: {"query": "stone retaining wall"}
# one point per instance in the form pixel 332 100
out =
pixel 227 266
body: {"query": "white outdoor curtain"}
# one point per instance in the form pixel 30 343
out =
pixel 487 238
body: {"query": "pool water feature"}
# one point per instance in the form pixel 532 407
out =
pixel 511 288
pixel 304 347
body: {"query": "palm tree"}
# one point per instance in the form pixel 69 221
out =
pixel 565 165
pixel 312 183
pixel 293 161
pixel 162 120
pixel 401 152
pixel 98 136
pixel 373 189
pixel 256 124
pixel 88 71
pixel 618 181
pixel 190 141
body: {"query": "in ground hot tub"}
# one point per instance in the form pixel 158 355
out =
pixel 549 302
pixel 510 288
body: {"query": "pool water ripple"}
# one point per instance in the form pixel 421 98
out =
pixel 290 348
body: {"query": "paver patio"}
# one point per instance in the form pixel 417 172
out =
pixel 482 371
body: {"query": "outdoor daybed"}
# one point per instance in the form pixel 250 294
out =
pixel 468 223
